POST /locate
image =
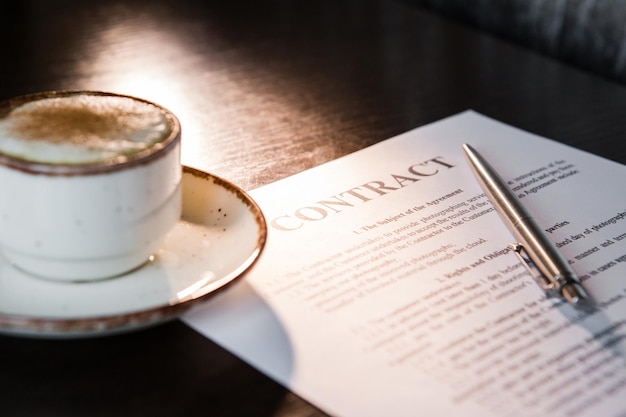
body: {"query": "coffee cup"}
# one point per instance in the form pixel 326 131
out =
pixel 90 183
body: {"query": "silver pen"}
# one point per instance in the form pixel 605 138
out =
pixel 540 256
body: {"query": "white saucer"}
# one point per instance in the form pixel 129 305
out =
pixel 220 235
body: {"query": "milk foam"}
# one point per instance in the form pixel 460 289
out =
pixel 79 129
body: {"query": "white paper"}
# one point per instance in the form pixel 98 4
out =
pixel 397 294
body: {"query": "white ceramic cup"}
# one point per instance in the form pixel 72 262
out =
pixel 90 183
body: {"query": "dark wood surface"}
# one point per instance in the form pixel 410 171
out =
pixel 264 90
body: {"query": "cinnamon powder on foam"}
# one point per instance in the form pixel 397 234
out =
pixel 98 123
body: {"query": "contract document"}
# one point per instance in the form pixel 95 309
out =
pixel 387 286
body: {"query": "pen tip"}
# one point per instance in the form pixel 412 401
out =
pixel 576 295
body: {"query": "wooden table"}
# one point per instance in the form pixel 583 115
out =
pixel 264 90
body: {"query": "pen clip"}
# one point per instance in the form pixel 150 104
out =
pixel 543 282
